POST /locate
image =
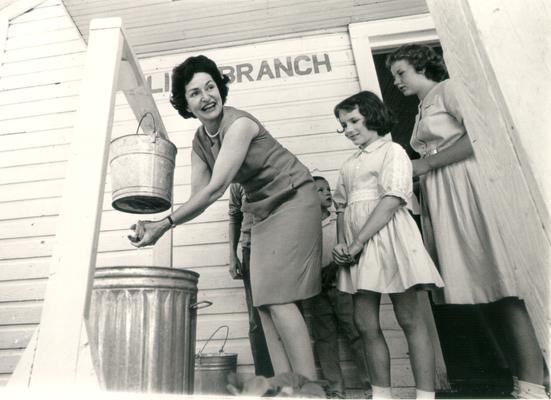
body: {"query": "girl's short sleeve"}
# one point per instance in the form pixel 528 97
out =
pixel 340 198
pixel 396 174
pixel 450 100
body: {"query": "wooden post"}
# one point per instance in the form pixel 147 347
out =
pixel 59 354
pixel 363 59
pixel 498 51
pixel 73 264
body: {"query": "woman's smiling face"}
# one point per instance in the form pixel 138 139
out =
pixel 203 97
pixel 353 124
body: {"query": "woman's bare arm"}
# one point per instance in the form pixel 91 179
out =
pixel 459 151
pixel 231 157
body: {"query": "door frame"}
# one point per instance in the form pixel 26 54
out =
pixel 376 36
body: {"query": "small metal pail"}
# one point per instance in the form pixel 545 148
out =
pixel 142 172
pixel 212 369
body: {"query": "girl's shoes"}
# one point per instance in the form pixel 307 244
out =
pixel 528 390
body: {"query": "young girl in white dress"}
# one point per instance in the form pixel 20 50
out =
pixel 379 245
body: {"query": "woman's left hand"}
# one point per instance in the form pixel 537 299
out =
pixel 420 167
pixel 147 232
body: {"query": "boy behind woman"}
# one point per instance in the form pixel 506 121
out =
pixel 332 310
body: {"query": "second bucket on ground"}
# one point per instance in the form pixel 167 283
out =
pixel 212 369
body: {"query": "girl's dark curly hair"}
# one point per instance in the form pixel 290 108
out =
pixel 182 75
pixel 422 58
pixel 377 117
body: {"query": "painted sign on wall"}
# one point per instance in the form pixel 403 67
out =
pixel 274 68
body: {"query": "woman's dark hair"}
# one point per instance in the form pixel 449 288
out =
pixel 422 58
pixel 183 73
pixel 377 117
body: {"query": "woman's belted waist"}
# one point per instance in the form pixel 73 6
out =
pixel 363 195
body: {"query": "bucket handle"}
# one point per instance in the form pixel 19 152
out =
pixel 214 333
pixel 200 305
pixel 155 133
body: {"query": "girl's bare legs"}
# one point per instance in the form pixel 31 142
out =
pixel 366 317
pixel 407 308
pixel 291 341
pixel 279 359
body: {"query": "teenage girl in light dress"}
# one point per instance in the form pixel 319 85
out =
pixel 456 229
pixel 379 244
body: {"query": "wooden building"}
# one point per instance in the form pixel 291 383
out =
pixel 290 63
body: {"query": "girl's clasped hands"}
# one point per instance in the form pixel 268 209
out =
pixel 346 256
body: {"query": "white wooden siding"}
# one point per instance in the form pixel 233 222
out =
pixel 160 26
pixel 40 74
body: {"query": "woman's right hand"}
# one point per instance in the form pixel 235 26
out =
pixel 341 255
pixel 148 232
pixel 235 268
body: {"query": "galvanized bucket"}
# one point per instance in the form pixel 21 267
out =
pixel 142 172
pixel 212 369
pixel 142 328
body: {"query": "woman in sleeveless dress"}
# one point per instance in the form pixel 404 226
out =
pixel 233 146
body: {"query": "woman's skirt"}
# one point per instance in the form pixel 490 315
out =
pixel 286 250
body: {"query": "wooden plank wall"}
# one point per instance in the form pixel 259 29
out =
pixel 162 25
pixel 40 74
pixel 5 3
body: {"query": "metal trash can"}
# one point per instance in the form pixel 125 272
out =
pixel 143 323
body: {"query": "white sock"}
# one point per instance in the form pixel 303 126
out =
pixel 529 390
pixel 423 394
pixel 515 391
pixel 380 392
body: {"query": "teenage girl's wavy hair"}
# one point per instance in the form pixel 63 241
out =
pixel 376 116
pixel 182 75
pixel 422 58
